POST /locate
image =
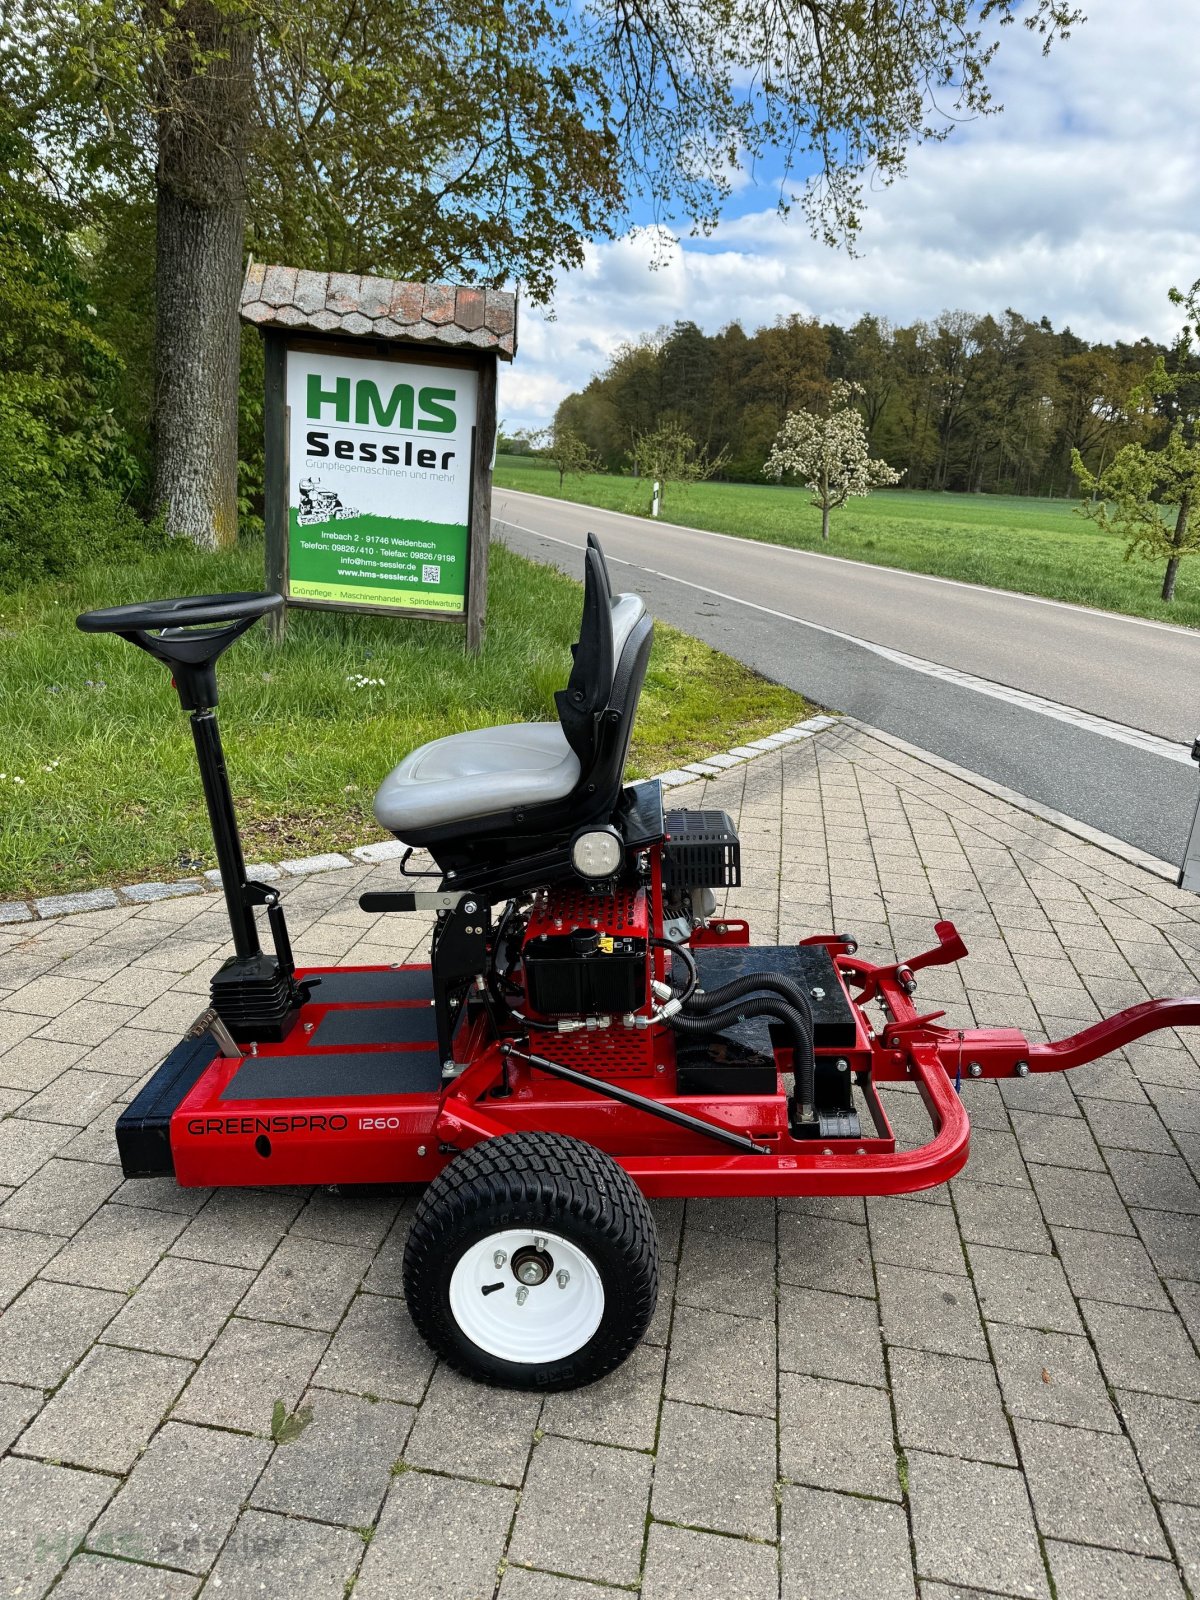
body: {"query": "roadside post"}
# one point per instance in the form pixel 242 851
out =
pixel 379 429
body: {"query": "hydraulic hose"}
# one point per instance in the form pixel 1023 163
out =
pixel 752 983
pixel 798 1027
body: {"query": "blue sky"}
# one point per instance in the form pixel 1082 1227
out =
pixel 1081 201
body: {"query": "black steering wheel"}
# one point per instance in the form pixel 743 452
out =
pixel 192 611
pixel 187 634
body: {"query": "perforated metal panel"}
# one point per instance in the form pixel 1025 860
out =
pixel 614 1052
pixel 569 906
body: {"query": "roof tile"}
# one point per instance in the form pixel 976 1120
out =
pixel 439 303
pixel 279 286
pixel 343 302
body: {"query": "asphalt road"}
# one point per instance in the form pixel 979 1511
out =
pixel 1083 711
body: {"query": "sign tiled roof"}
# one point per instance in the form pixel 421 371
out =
pixel 380 308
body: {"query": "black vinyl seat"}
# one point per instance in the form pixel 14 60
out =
pixel 529 780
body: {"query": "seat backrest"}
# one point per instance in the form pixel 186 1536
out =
pixel 599 705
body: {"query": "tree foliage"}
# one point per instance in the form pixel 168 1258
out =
pixel 969 402
pixel 668 455
pixel 829 454
pixel 566 452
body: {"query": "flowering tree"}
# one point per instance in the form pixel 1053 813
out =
pixel 829 454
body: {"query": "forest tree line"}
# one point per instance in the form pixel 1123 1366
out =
pixel 968 403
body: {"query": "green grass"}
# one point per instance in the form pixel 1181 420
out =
pixel 110 793
pixel 1041 547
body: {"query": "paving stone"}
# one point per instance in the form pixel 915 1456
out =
pixel 997 1550
pixel 721 1272
pixel 419 1549
pixel 115 1248
pixel 49 996
pixel 930 1311
pixel 1075 1199
pixel 1051 1377
pixel 359 1221
pixel 60 1197
pixel 684 1565
pixel 179 1503
pixel 949 1405
pixel 1057 1141
pixel 307 1282
pixel 1009 1218
pixel 97 1577
pixel 1157 1182
pixel 1166 1436
pixel 1115 1509
pixel 622 1409
pixel 905 1233
pixel 1141 1349
pixel 520 1583
pixel 239 1227
pixel 668 1224
pixel 1173 1242
pixel 251 1365
pixel 454 1433
pixel 180 1308
pixel 74 1098
pixel 340 1467
pixel 716 1470
pixel 829 1335
pixel 1126 1127
pixel 107 1409
pixel 1108 1266
pixel 1183 1525
pixel 45 1511
pixel 26 1146
pixel 721 1361
pixel 272 1555
pixel 1082 1573
pixel 838 1547
pixel 1029 1289
pixel 89 1022
pixel 836 1436
pixel 605 1543
pixel 738 1218
pixel 160 1194
pixel 824 1253
pixel 377 1351
pixel 22 1255
pixel 996 1158
pixel 17 1405
pixel 47 1328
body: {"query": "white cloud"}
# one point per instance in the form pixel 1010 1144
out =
pixel 1081 202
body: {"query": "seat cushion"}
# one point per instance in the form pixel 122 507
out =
pixel 468 776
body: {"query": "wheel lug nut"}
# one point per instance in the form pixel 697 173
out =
pixel 499 1258
pixel 563 1278
pixel 522 1296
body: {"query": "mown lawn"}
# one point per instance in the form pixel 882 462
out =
pixel 1041 547
pixel 99 784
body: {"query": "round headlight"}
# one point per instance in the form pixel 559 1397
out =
pixel 597 852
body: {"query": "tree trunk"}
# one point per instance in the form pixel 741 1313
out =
pixel 1180 534
pixel 825 522
pixel 203 133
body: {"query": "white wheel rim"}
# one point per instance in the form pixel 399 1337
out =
pixel 549 1320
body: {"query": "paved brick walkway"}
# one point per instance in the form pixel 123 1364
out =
pixel 982 1392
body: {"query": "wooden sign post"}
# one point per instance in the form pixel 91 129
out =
pixel 380 425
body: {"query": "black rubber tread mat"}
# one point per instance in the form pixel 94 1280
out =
pixel 811 966
pixel 336 1077
pixel 348 987
pixel 377 1025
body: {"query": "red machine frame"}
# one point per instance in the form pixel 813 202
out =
pixel 500 1088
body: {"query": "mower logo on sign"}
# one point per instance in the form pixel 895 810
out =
pixel 318 504
pixel 380 460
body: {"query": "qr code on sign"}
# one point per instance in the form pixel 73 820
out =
pixel 431 574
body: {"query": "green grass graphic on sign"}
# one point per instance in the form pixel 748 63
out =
pixel 378 561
